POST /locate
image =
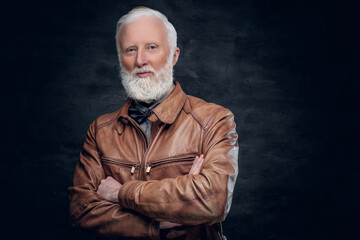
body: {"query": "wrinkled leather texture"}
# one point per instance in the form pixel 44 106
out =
pixel 156 183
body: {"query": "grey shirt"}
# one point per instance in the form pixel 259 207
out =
pixel 146 126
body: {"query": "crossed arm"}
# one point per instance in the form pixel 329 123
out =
pixel 109 189
pixel 200 197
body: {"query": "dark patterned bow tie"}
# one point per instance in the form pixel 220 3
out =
pixel 139 112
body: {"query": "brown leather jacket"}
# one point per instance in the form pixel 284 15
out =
pixel 156 183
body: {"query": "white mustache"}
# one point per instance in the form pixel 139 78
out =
pixel 143 69
pixel 150 88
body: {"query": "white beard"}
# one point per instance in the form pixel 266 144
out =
pixel 148 89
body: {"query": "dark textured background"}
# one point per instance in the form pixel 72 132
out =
pixel 285 68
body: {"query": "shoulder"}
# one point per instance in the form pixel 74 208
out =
pixel 105 120
pixel 205 113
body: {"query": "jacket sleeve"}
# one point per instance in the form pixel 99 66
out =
pixel 203 198
pixel 88 210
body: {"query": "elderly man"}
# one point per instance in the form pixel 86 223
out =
pixel 163 166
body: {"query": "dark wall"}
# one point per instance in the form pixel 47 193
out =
pixel 285 68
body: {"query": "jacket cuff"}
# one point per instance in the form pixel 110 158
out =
pixel 126 198
pixel 126 194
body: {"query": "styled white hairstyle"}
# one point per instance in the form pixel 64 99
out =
pixel 145 11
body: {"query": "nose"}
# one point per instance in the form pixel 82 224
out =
pixel 141 58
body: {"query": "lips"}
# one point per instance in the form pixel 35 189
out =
pixel 144 74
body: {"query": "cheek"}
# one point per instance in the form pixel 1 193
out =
pixel 160 61
pixel 128 63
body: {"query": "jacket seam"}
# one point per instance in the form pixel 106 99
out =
pixel 201 143
pixel 96 145
pixel 178 110
pixel 105 123
pixel 197 119
pixel 205 129
pixel 97 128
pixel 208 120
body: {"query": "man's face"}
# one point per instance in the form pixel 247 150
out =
pixel 144 42
pixel 146 64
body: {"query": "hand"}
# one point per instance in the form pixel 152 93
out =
pixel 196 167
pixel 109 189
pixel 165 225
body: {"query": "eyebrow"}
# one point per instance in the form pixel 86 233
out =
pixel 123 49
pixel 149 43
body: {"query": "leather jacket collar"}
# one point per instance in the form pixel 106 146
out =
pixel 167 111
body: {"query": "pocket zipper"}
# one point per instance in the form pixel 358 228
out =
pixel 176 159
pixel 119 163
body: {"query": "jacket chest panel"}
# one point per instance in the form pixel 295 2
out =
pixel 128 147
pixel 171 167
pixel 173 149
pixel 170 153
pixel 179 139
pixel 120 170
pixel 121 156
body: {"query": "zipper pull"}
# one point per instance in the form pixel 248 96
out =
pixel 148 168
pixel 133 169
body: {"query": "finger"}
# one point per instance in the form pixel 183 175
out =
pixel 197 168
pixel 165 225
pixel 193 165
pixel 202 159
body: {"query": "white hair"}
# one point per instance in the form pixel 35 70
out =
pixel 141 12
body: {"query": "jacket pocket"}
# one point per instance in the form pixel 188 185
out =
pixel 131 166
pixel 188 158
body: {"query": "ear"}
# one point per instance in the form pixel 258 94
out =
pixel 176 55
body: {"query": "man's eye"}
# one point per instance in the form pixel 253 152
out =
pixel 152 47
pixel 130 50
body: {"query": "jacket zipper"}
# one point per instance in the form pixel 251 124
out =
pixel 175 159
pixel 132 166
pixel 145 146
